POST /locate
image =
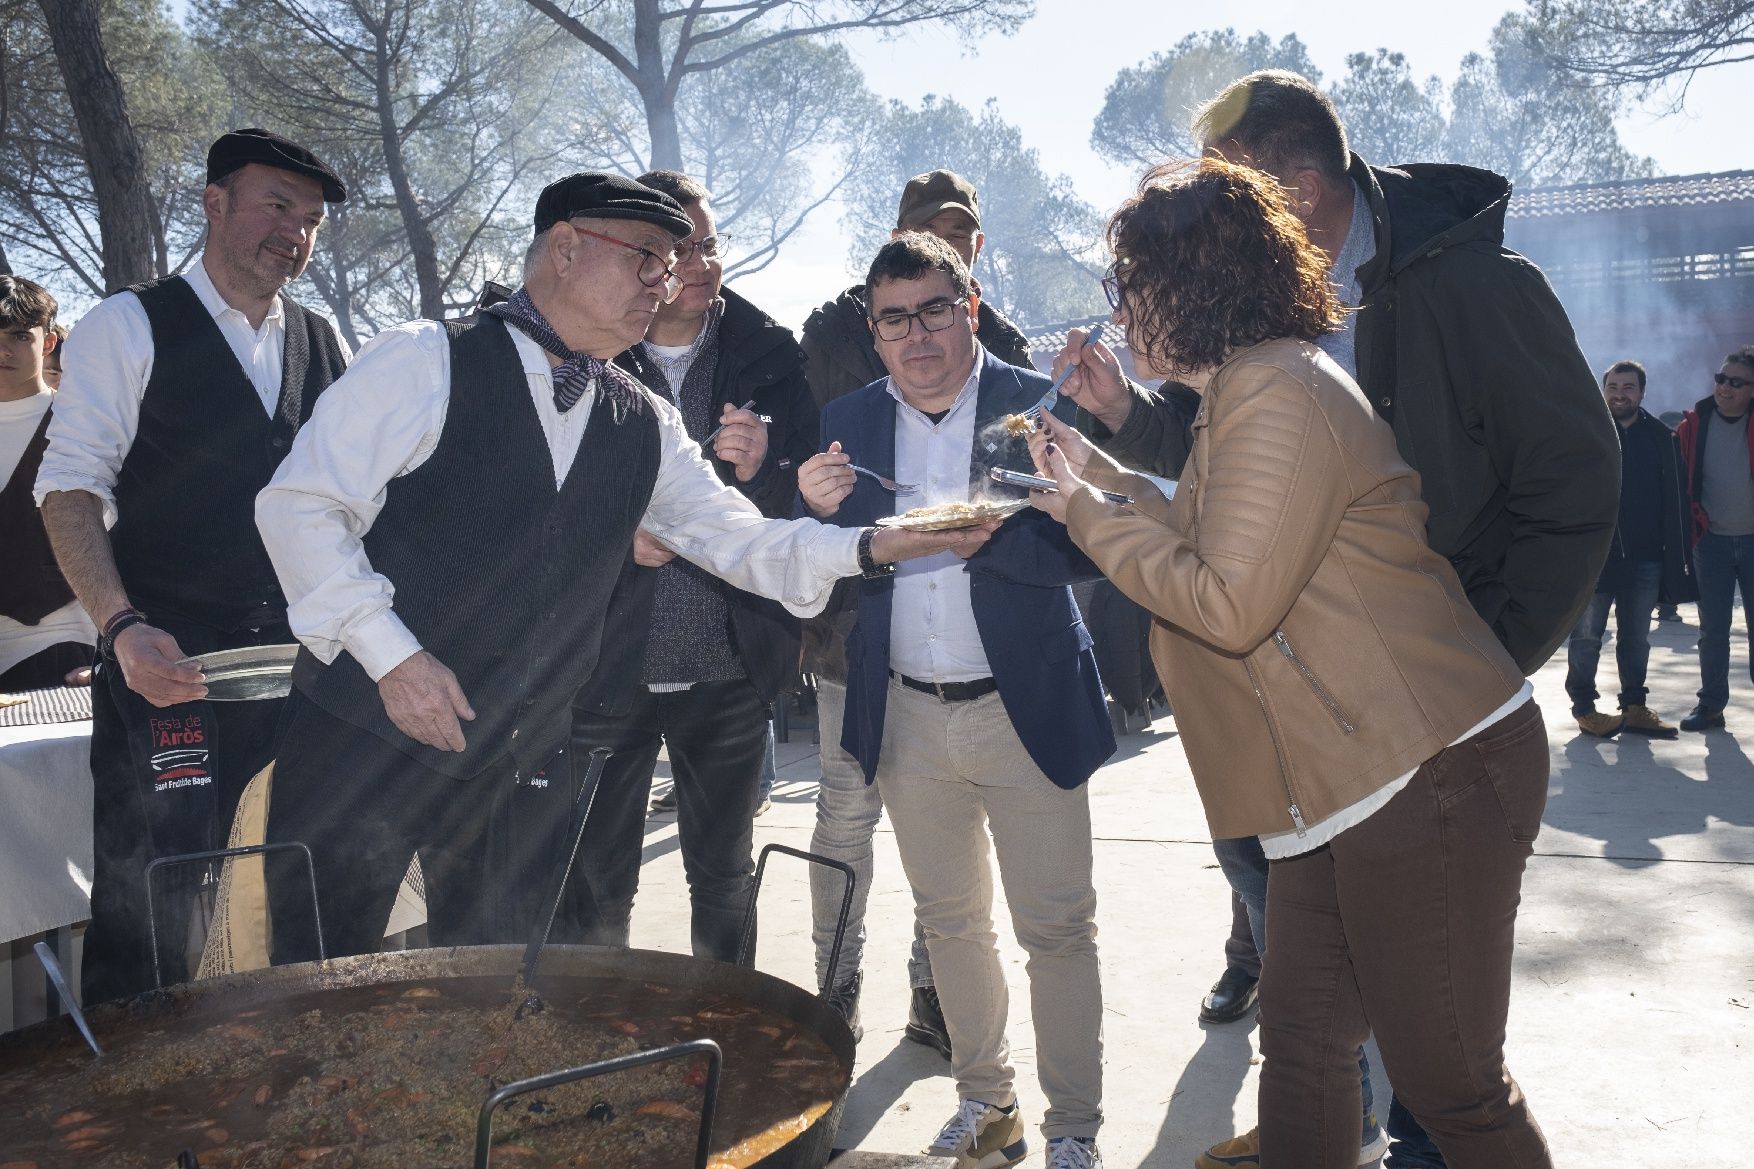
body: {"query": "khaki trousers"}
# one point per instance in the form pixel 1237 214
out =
pixel 949 773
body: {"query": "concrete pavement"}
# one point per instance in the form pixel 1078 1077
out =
pixel 1632 1025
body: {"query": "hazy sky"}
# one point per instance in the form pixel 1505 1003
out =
pixel 1049 79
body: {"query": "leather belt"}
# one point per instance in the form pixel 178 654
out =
pixel 949 691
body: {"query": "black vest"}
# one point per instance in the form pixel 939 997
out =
pixel 501 577
pixel 185 539
pixel 31 585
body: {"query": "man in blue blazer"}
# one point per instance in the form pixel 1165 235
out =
pixel 973 703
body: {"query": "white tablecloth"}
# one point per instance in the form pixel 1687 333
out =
pixel 45 828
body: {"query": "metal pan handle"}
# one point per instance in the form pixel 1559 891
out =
pixel 189 858
pixel 622 1063
pixel 744 958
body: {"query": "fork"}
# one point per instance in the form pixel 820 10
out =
pixel 1052 397
pixel 886 484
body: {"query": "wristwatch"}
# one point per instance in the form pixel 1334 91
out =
pixel 868 567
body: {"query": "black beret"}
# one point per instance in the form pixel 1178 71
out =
pixel 606 196
pixel 238 149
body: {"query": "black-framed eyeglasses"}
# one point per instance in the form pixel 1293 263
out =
pixel 933 318
pixel 1112 287
pixel 1735 383
pixel 653 271
pixel 709 248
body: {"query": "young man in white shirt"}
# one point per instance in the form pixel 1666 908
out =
pixel 178 400
pixel 44 634
pixel 449 531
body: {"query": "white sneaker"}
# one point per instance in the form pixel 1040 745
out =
pixel 1073 1153
pixel 981 1136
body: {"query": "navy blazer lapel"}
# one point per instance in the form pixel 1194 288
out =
pixel 871 438
pixel 1002 390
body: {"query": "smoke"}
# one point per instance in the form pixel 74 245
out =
pixel 1660 271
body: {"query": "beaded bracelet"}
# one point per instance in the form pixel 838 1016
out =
pixel 126 619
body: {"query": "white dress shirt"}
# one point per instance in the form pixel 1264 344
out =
pixel 383 418
pixel 932 633
pixel 105 366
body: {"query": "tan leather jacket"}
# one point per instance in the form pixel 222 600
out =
pixel 1312 644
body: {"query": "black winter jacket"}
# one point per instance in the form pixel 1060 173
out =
pixel 1465 350
pixel 1678 587
pixel 758 359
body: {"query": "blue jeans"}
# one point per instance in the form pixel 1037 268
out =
pixel 1244 865
pixel 1633 602
pixel 769 772
pixel 1721 564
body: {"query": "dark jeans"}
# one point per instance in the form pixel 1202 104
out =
pixel 1633 602
pixel 1721 565
pixel 1407 920
pixel 490 847
pixel 717 735
pixel 165 781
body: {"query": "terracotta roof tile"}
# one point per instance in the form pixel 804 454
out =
pixel 1629 194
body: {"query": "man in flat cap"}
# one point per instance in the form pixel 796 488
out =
pixel 842 354
pixel 179 398
pixel 449 531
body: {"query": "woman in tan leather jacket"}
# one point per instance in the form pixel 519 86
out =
pixel 1335 692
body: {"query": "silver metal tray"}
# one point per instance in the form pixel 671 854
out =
pixel 255 671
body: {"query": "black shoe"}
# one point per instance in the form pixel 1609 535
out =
pixel 664 803
pixel 1230 998
pixel 844 1001
pixel 925 1020
pixel 1702 719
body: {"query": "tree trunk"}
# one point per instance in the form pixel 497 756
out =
pixel 112 150
pixel 420 241
pixel 656 95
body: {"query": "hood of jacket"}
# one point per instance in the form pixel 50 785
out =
pixel 1430 207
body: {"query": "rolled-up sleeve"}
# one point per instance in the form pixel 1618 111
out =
pixel 104 369
pixel 795 562
pixel 380 419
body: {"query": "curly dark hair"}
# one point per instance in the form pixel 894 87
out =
pixel 1210 259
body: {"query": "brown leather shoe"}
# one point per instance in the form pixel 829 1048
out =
pixel 1603 726
pixel 1642 720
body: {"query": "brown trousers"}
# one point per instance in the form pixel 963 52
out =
pixel 1405 924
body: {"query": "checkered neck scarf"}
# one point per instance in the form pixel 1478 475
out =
pixel 576 371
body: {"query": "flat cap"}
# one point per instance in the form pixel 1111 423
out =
pixel 238 149
pixel 605 196
pixel 925 196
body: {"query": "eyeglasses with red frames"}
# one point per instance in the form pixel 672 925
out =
pixel 653 271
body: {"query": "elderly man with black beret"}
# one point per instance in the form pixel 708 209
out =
pixel 449 531
pixel 178 400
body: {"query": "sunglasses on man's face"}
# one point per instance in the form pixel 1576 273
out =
pixel 1735 383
